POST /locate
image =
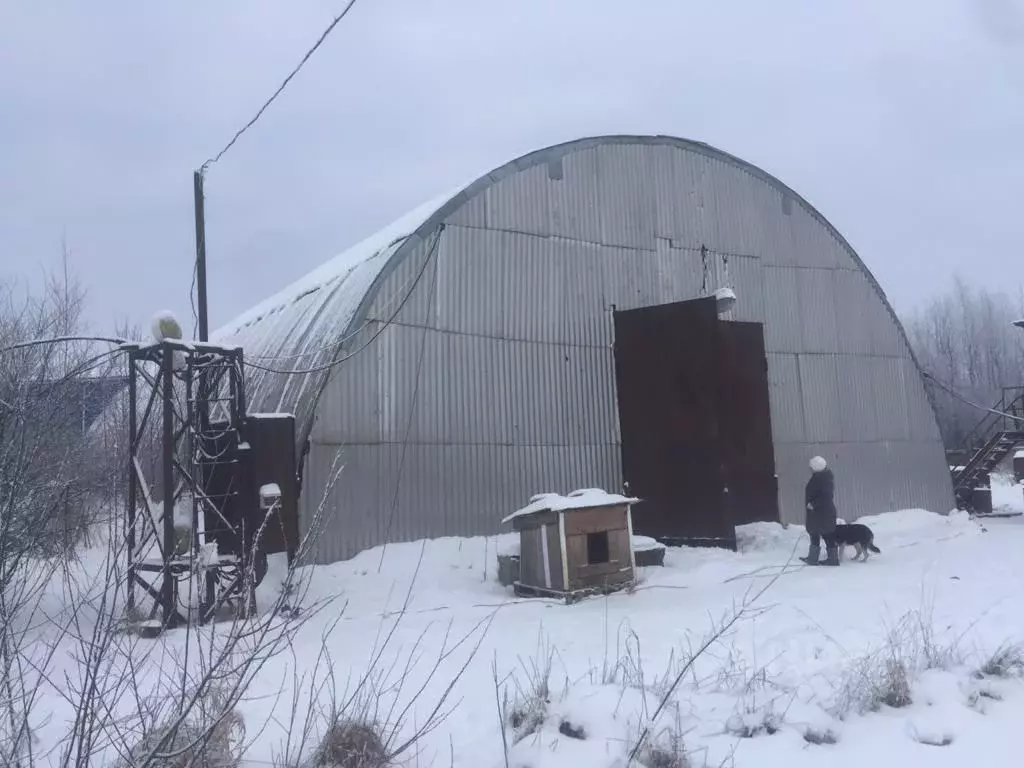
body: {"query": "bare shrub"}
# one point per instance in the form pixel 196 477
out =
pixel 883 677
pixel 211 736
pixel 351 745
pixel 666 749
pixel 48 392
pixel 527 710
pixel 752 723
pixel 820 736
pixel 1006 661
pixel 745 610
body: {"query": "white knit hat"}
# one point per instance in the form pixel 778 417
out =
pixel 818 464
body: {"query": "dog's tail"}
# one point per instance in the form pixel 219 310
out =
pixel 874 549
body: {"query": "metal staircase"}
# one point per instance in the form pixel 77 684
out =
pixel 988 444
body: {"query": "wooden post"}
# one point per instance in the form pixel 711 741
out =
pixel 197 183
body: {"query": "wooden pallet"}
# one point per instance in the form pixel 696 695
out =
pixel 570 597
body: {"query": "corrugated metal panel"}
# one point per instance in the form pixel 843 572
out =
pixel 349 407
pixel 786 398
pixel 533 290
pixel 820 389
pixel 858 416
pixel 625 197
pixel 405 294
pixel 662 177
pixel 444 490
pixel 734 195
pixel 851 293
pixel 817 310
pixel 584 312
pixel 472 212
pixel 885 334
pixel 747 278
pixel 813 245
pixel 762 230
pixel 593 419
pixel 791 466
pixel 522 202
pixel 573 198
pixel 474 268
pixel 537 374
pixel 678 273
pixel 415 396
pixel 893 418
pixel 351 505
pixel 695 217
pixel 478 390
pixel 782 331
pixel 920 415
pixel 631 278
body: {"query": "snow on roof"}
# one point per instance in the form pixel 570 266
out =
pixel 581 499
pixel 300 327
pixel 1019 454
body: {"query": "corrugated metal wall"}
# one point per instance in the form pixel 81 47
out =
pixel 496 379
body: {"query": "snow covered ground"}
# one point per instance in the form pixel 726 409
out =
pixel 811 659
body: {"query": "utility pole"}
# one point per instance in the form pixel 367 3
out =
pixel 204 329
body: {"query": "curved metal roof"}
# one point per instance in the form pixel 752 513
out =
pixel 308 324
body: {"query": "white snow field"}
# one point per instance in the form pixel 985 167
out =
pixel 806 675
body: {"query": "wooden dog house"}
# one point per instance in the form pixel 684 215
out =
pixel 571 546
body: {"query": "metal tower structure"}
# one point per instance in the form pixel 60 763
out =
pixel 186 413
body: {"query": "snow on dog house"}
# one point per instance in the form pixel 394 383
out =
pixel 573 545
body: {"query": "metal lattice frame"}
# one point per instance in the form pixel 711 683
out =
pixel 200 391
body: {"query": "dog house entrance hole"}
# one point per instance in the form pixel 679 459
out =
pixel 597 548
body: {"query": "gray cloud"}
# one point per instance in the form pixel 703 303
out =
pixel 899 121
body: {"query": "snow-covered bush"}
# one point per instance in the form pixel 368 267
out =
pixel 349 744
pixel 210 734
pixel 1006 661
pixel 885 677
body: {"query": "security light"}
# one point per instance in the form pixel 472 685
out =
pixel 726 299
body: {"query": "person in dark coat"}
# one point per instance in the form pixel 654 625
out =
pixel 821 513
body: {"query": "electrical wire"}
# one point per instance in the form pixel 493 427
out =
pixel 61 340
pixel 280 88
pixel 378 332
pixel 956 395
pixel 334 344
pixel 409 422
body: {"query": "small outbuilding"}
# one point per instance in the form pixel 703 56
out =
pixel 571 546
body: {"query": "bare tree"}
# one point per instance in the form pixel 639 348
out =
pixel 45 392
pixel 965 338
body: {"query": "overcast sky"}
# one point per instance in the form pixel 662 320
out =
pixel 903 122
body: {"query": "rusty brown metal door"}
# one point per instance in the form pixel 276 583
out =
pixel 667 373
pixel 748 451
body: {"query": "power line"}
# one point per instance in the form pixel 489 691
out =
pixel 409 422
pixel 284 84
pixel 337 342
pixel 61 340
pixel 379 331
pixel 948 389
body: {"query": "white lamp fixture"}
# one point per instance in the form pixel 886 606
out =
pixel 725 299
pixel 166 326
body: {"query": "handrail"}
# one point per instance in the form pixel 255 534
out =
pixel 977 458
pixel 1011 401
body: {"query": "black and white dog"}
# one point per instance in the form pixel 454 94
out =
pixel 858 536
